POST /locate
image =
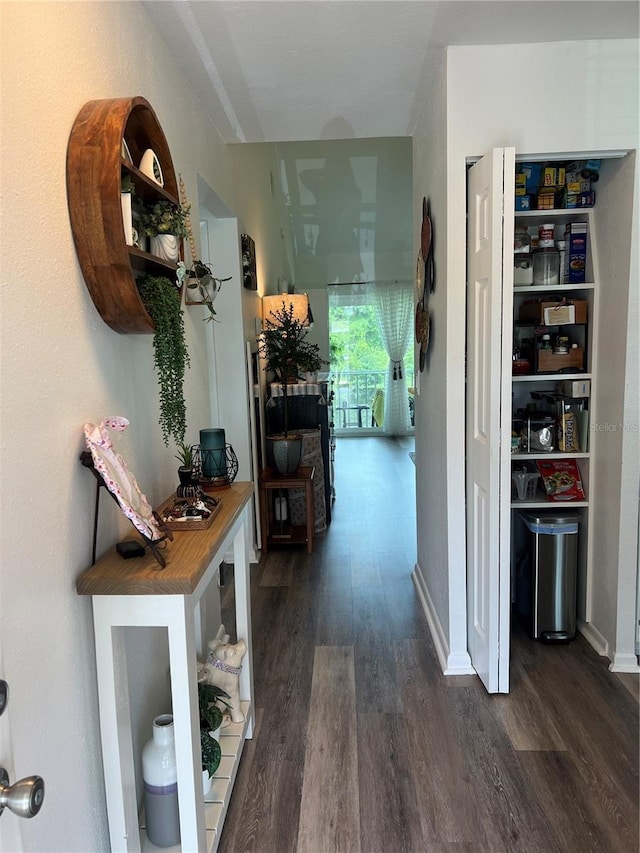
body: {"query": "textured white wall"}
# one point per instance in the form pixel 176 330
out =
pixel 62 366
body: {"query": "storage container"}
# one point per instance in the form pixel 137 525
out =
pixel 533 311
pixel 546 266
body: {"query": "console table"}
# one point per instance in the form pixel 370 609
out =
pixel 137 592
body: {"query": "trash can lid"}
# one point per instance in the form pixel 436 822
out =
pixel 551 524
pixel 546 517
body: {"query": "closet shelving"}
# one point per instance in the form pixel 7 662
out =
pixel 552 383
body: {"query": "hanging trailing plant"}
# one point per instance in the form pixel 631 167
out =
pixel 171 358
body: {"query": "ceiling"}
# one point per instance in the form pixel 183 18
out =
pixel 284 70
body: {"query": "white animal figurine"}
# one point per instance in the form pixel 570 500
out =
pixel 222 669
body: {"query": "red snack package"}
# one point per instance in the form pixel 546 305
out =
pixel 561 479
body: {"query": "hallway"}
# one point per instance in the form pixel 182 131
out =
pixel 362 745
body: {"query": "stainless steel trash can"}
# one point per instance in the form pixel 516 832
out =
pixel 546 592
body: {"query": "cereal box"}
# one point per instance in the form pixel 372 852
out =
pixel 575 235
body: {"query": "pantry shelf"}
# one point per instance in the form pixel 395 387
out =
pixel 550 377
pixel 556 288
pixel 543 503
pixel 548 455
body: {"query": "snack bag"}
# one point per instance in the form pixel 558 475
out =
pixel 568 439
pixel 561 479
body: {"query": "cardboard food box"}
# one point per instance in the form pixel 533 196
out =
pixel 547 199
pixel 532 174
pixel 542 312
pixel 523 202
pixel 575 235
pixel 575 387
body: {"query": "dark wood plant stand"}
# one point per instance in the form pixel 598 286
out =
pixel 270 480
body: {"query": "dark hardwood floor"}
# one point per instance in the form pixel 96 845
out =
pixel 361 744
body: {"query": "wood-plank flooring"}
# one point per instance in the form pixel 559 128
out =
pixel 362 745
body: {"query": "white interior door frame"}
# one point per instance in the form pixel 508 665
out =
pixel 489 340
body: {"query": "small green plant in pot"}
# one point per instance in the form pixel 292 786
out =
pixel 185 458
pixel 165 224
pixel 161 298
pixel 210 698
pixel 164 217
pixel 202 285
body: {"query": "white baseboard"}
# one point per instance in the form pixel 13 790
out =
pixel 626 662
pixel 622 662
pixel 451 664
pixel 594 637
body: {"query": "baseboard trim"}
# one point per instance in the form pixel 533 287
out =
pixel 451 664
pixel 594 638
pixel 626 662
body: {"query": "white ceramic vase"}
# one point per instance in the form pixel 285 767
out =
pixel 165 246
pixel 160 778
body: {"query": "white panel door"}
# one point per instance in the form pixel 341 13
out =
pixel 489 336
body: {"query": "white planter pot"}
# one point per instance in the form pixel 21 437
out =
pixel 165 246
pixel 127 221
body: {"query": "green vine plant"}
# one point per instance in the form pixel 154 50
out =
pixel 161 298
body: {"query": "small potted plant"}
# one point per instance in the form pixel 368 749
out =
pixel 166 224
pixel 286 351
pixel 185 458
pixel 202 285
pixel 210 698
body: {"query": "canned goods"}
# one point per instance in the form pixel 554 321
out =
pixel 546 236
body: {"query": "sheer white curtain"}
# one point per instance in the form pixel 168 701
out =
pixel 394 310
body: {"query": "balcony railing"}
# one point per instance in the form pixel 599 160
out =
pixel 353 394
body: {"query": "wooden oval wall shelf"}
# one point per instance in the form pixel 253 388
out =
pixel 95 167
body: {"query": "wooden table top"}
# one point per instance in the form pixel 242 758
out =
pixel 188 557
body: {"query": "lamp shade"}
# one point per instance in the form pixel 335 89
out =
pixel 273 304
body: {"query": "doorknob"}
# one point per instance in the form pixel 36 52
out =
pixel 23 798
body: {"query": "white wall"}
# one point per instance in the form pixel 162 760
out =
pixel 62 366
pixel 589 103
pixel 439 474
pixel 615 435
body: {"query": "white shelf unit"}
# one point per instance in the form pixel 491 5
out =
pixel 138 593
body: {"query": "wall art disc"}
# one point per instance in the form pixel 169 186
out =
pixel 420 270
pixel 426 230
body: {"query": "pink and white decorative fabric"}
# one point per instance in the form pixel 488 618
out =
pixel 117 477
